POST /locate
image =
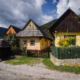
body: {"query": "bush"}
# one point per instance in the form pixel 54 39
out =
pixel 23 53
pixel 14 48
pixel 69 52
pixel 66 42
pixel 24 49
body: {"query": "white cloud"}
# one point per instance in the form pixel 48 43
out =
pixel 46 18
pixel 63 5
pixel 54 1
pixel 54 11
pixel 18 12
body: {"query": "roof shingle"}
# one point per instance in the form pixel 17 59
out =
pixel 33 33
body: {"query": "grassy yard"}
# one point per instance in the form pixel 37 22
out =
pixel 24 60
pixel 51 66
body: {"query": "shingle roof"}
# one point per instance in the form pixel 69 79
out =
pixel 33 33
pixel 63 25
pixel 15 28
pixel 4 44
pixel 29 33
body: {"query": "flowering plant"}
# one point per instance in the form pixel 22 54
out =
pixel 66 42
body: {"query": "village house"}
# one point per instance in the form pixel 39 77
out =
pixel 33 37
pixel 12 29
pixel 68 25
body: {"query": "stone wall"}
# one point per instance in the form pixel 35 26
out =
pixel 67 62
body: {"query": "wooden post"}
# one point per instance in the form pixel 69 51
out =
pixel 48 53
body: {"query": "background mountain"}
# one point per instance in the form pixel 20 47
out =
pixel 2 31
pixel 46 26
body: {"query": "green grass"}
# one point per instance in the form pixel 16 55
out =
pixel 24 60
pixel 51 66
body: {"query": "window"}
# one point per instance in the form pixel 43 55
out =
pixel 24 42
pixel 32 42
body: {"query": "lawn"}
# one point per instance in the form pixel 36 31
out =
pixel 51 66
pixel 24 60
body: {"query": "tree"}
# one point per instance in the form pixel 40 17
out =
pixel 12 40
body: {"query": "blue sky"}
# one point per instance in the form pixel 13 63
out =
pixel 18 12
pixel 50 8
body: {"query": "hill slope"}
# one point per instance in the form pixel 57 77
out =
pixel 2 31
pixel 46 26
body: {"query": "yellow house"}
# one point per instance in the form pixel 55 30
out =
pixel 33 37
pixel 67 25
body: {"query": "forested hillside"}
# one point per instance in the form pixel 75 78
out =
pixel 2 31
pixel 46 26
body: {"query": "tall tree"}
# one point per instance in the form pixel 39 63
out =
pixel 12 39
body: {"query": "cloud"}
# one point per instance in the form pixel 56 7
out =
pixel 63 5
pixel 18 12
pixel 54 1
pixel 53 14
pixel 46 18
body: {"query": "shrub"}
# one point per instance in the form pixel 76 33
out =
pixel 23 53
pixel 23 49
pixel 67 42
pixel 69 52
pixel 14 48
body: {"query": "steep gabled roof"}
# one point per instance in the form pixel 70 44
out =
pixel 15 28
pixel 33 33
pixel 57 26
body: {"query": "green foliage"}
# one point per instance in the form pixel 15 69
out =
pixel 46 26
pixel 12 40
pixel 24 49
pixel 51 66
pixel 14 48
pixel 69 52
pixel 77 16
pixel 72 52
pixel 23 53
pixel 66 42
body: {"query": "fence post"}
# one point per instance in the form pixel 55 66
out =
pixel 58 54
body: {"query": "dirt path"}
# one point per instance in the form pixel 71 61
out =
pixel 37 72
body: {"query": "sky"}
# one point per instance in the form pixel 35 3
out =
pixel 18 12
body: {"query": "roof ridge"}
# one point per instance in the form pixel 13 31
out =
pixel 61 16
pixel 39 28
pixel 15 27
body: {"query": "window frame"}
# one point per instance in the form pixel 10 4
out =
pixel 70 36
pixel 32 44
pixel 23 42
